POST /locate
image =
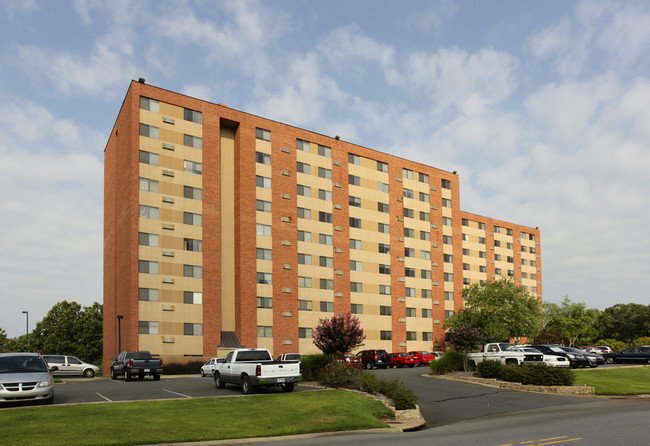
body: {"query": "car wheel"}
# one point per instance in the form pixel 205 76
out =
pixel 648 360
pixel 287 387
pixel 202 374
pixel 113 374
pixel 369 365
pixel 245 385
pixel 89 373
pixel 127 377
pixel 218 382
pixel 399 365
pixel 609 360
pixel 156 377
pixel 411 366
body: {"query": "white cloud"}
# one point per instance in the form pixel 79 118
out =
pixel 14 8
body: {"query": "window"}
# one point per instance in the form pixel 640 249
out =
pixel 193 141
pixel 325 173
pixel 383 207
pixel 446 202
pixel 354 159
pixel 425 274
pixel 304 259
pixel 425 255
pixel 449 295
pixel 466 281
pixel 481 240
pixel 409 272
pixel 532 250
pixel 302 213
pixel 304 282
pixel 408 213
pixel 303 168
pixel 426 312
pixel 264 331
pixel 193 271
pixel 408 193
pixel 425 216
pixel 497 243
pixel 356 265
pixel 533 263
pixel 325 239
pixel 448 258
pixel 356 308
pixel 524 275
pixel 263 206
pixel 508 245
pixel 326 284
pixel 384 289
pixel 304 332
pixel 385 310
pixel 149 158
pixel 409 232
pixel 482 255
pixel 445 184
pixel 302 145
pixel 446 239
pixel 304 305
pixel 324 151
pixel 149 131
pixel 148 294
pixel 327 262
pixel 354 180
pixel 325 195
pixel 482 226
pixel 409 292
pixel 356 287
pixel 148 212
pixel 448 277
pixel 466 267
pixel 264 278
pixel 411 312
pixel 449 313
pixel 193 167
pixel 355 222
pixel 195 193
pixel 193 245
pixel 407 173
pixel 146 239
pixel 304 191
pixel 382 167
pixel 383 227
pixel 423 178
pixel 264 302
pixel 384 248
pixel 149 104
pixel 384 269
pixel 386 335
pixel 325 217
pixel 497 229
pixel 147 327
pixel 263 158
pixel 192 297
pixel 510 259
pixel 497 271
pixel 327 307
pixel 482 269
pixel 465 237
pixel 192 115
pixel 147 267
pixel 193 219
pixel 262 134
pixel 409 252
pixel 382 187
pixel 425 294
pixel 524 262
pixel 304 236
pixel 355 244
pixel 264 230
pixel 425 235
pixel 354 201
pixel 424 197
pixel 511 273
pixel 264 254
pixel 427 336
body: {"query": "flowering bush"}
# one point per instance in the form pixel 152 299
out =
pixel 341 374
pixel 465 338
pixel 340 334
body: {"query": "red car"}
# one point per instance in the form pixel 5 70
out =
pixel 424 358
pixel 354 361
pixel 402 359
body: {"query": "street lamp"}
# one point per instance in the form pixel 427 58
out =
pixel 27 328
pixel 119 333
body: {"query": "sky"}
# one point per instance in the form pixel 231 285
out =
pixel 543 109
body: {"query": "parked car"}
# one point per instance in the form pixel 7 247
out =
pixel 437 355
pixel 575 359
pixel 289 357
pixel 374 358
pixel 69 365
pixel 424 358
pixel 208 368
pixel 548 359
pixel 590 359
pixel 402 359
pixel 630 354
pixel 591 349
pixel 138 364
pixel 25 377
pixel 504 352
pixel 605 349
pixel 353 360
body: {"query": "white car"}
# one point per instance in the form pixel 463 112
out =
pixel 25 377
pixel 552 360
pixel 71 366
pixel 208 367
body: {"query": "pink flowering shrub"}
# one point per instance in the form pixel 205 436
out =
pixel 341 374
pixel 339 334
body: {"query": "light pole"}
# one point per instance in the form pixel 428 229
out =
pixel 119 333
pixel 27 328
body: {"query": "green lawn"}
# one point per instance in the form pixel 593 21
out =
pixel 192 420
pixel 618 381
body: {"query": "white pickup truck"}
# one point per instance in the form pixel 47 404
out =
pixel 254 367
pixel 506 353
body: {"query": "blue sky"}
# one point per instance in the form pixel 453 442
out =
pixel 541 107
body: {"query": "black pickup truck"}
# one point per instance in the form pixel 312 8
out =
pixel 136 364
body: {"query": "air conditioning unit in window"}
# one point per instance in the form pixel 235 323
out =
pixel 168 339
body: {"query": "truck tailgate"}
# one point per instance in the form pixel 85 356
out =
pixel 285 369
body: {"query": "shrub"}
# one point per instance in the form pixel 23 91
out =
pixel 369 382
pixel 638 342
pixel 449 362
pixel 313 365
pixel 340 374
pixel 184 368
pixel 543 375
pixel 490 368
pixel 513 373
pixel 615 345
pixel 402 397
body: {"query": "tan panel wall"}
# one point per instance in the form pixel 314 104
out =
pixel 227 230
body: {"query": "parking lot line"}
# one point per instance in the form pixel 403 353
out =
pixel 103 397
pixel 176 393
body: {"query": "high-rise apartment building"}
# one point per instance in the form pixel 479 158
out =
pixel 223 229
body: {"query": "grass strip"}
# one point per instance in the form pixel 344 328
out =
pixel 188 420
pixel 618 381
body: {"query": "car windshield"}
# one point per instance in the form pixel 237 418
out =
pixel 508 347
pixel 21 364
pixel 557 350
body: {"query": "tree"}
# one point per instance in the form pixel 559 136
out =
pixel 571 321
pixel 69 329
pixel 465 338
pixel 340 334
pixel 502 309
pixel 624 322
pixel 3 338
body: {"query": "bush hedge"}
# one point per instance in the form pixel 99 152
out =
pixel 490 368
pixel 403 397
pixel 185 368
pixel 313 366
pixel 449 362
pixel 538 375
